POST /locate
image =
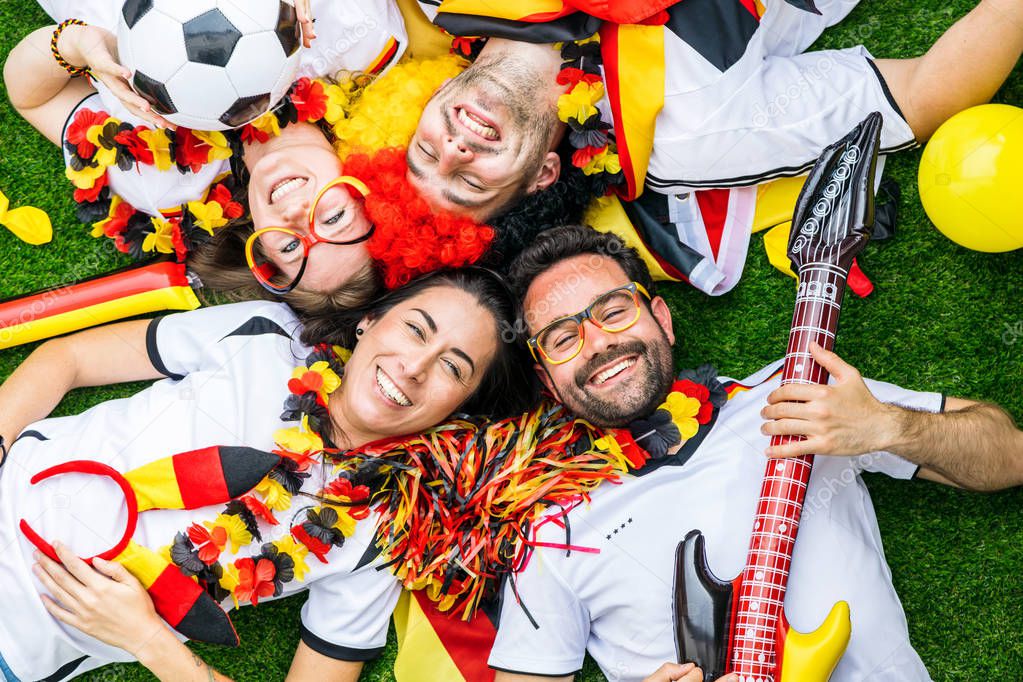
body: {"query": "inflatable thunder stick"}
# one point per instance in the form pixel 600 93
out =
pixel 135 290
pixel 740 626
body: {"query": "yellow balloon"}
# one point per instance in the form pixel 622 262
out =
pixel 971 175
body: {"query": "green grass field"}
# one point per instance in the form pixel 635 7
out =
pixel 941 319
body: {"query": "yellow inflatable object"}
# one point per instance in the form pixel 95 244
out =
pixel 136 290
pixel 28 223
pixel 970 177
pixel 812 657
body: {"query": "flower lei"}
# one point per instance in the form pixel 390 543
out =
pixel 694 397
pixel 197 550
pixel 595 151
pixel 97 142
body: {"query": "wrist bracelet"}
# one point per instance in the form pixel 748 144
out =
pixel 73 71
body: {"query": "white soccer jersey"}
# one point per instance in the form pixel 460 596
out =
pixel 354 35
pixel 617 603
pixel 227 368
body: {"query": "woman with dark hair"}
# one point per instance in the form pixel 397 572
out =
pixel 247 525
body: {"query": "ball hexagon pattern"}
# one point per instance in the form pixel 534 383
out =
pixel 210 64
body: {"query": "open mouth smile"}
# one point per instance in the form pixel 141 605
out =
pixel 609 373
pixel 391 391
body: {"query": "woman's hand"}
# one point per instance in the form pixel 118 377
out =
pixel 305 18
pixel 97 48
pixel 103 601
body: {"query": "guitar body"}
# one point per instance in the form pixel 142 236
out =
pixel 740 626
pixel 703 608
pixel 704 605
pixel 812 657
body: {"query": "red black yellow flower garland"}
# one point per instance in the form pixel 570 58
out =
pixel 96 141
pixel 197 550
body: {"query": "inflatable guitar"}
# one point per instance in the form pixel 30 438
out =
pixel 740 626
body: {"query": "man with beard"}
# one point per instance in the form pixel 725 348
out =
pixel 602 341
pixel 706 99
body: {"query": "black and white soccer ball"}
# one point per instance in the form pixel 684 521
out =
pixel 210 64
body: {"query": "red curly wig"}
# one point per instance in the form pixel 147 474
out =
pixel 410 238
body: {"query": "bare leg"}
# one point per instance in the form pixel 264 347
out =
pixel 964 68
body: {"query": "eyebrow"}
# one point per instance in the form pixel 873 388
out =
pixel 465 356
pixel 429 320
pixel 416 170
pixel 462 201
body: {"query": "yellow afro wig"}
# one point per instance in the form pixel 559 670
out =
pixel 384 112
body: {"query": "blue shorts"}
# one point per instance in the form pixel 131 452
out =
pixel 5 671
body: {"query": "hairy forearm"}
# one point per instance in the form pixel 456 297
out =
pixel 172 661
pixel 978 447
pixel 35 388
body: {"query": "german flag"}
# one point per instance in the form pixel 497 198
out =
pixel 178 599
pixel 189 480
pixel 386 56
pixel 440 646
pixel 135 290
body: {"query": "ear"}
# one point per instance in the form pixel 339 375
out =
pixel 544 377
pixel 548 173
pixel 662 313
pixel 366 322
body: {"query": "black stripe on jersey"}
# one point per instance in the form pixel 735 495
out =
pixel 720 30
pixel 30 434
pixel 258 326
pixel 431 3
pixel 371 553
pixel 336 651
pixel 664 186
pixel 154 352
pixel 524 672
pixel 65 670
pixel 572 27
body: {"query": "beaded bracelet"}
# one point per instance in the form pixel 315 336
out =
pixel 73 71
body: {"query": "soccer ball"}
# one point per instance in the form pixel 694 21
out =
pixel 210 64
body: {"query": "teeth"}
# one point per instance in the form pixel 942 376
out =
pixel 477 126
pixel 390 390
pixel 285 187
pixel 614 371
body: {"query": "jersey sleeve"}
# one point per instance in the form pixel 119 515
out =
pixel 181 343
pixel 556 644
pixel 346 615
pixel 886 462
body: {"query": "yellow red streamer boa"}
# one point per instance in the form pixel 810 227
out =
pixel 457 504
pixel 97 142
pixel 196 551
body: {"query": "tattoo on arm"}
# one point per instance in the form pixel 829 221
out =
pixel 199 663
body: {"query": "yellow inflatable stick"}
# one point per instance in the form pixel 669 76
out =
pixel 28 223
pixel 136 290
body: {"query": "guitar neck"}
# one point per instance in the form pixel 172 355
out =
pixel 764 579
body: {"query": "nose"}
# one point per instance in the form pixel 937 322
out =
pixel 597 340
pixel 295 213
pixel 414 367
pixel 454 152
